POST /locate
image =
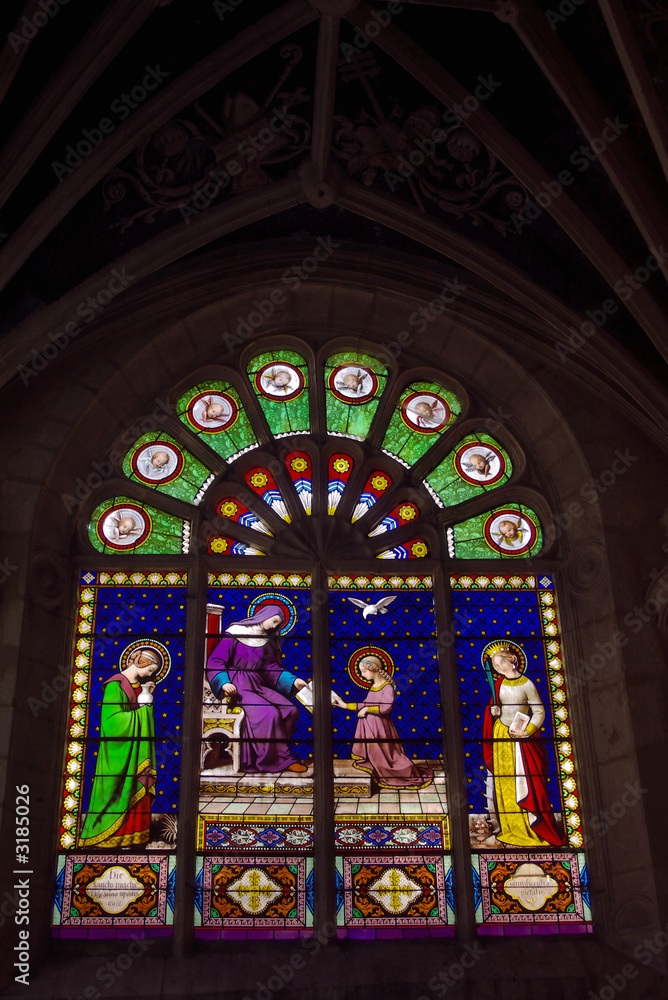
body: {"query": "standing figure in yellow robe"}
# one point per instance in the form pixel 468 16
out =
pixel 517 794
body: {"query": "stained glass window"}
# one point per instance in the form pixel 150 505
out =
pixel 323 781
pixel 424 411
pixel 377 483
pixel 299 467
pixel 391 825
pixel 524 811
pixel 158 461
pixel 213 410
pixel 122 767
pixel 280 381
pixel 354 384
pixel 340 468
pixel 122 524
pixel 476 465
pixel 503 533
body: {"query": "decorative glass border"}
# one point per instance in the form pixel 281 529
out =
pixel 381 582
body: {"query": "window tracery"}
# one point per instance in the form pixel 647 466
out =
pixel 298 469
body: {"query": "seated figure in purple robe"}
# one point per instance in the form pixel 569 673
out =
pixel 246 664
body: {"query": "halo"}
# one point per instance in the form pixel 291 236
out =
pixel 497 646
pixel 424 396
pixel 290 610
pixel 359 654
pixel 125 510
pixel 343 396
pixel 215 426
pixel 174 466
pixel 471 448
pixel 507 514
pixel 292 393
pixel 157 648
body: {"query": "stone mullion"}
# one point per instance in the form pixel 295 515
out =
pixel 323 770
pixel 454 759
pixel 190 759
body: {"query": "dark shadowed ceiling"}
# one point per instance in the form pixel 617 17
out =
pixel 525 142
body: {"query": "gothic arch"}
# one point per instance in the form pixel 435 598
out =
pixel 114 381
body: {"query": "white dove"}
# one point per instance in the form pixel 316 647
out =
pixel 380 608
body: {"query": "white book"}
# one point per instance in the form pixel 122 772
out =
pixel 305 696
pixel 521 721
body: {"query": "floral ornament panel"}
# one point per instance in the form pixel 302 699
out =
pixel 340 468
pixel 257 895
pixel 424 411
pixel 117 893
pixel 403 513
pixel 377 484
pixel 476 465
pixel 263 483
pixel 409 891
pixel 123 525
pixel 214 411
pixel 503 533
pixel 280 381
pixel 121 782
pixel 236 511
pixel 299 467
pixel 543 893
pixel 354 383
pixel 159 461
pixel 417 548
pixel 521 773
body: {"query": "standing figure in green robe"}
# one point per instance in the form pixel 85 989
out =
pixel 119 814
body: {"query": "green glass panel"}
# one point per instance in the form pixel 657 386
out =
pixel 158 461
pixel 476 465
pixel 355 382
pixel 214 411
pixel 123 525
pixel 506 532
pixel 280 382
pixel 424 411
